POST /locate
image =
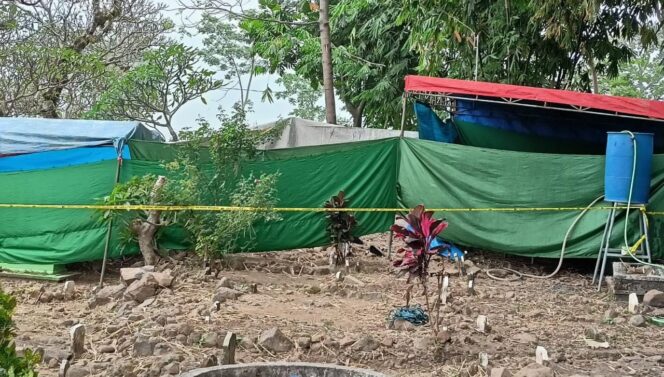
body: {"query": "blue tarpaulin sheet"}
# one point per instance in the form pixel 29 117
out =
pixel 550 123
pixel 431 127
pixel 30 135
pixel 60 159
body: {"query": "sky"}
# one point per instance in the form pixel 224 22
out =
pixel 263 112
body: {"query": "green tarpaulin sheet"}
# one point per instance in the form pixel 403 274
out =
pixel 454 176
pixel 378 174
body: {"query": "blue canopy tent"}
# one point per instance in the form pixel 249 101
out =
pixel 35 144
pixel 28 145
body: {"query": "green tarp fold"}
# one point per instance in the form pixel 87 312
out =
pixel 454 176
pixel 375 174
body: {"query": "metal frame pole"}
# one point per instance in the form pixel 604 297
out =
pixel 403 114
pixel 109 230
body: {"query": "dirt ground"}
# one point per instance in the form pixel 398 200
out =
pixel 554 313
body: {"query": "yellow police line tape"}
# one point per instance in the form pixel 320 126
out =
pixel 142 207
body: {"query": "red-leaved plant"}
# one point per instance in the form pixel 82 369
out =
pixel 418 230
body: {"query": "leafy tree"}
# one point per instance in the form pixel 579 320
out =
pixel 369 52
pixel 642 76
pixel 154 91
pixel 57 56
pixel 10 363
pixel 217 233
pixel 230 51
pixel 302 96
pixel 206 171
pixel 541 43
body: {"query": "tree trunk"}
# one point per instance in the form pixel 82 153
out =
pixel 145 233
pixel 328 83
pixel 356 113
pixel 145 230
pixel 593 72
pixel 174 135
pixel 102 21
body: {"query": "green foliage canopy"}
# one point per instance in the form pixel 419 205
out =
pixel 153 92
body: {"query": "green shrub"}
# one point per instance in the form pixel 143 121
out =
pixel 12 365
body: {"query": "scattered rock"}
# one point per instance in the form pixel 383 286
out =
pixel 314 290
pixel 170 330
pixel 657 312
pixel 355 281
pixel 595 334
pixel 637 320
pixel 193 338
pixel 509 295
pixel 209 361
pixel 346 341
pixel 224 294
pixel 247 342
pixel 387 342
pixel 319 337
pixel 131 274
pixel 610 314
pixel 366 344
pixel 330 343
pixel 275 341
pixel 104 295
pixel 143 347
pixel 141 290
pixel 161 349
pixel 78 371
pixel 619 320
pixel 525 338
pixel 209 340
pixel 321 270
pixel 172 368
pixel 164 279
pixel 107 349
pixel 424 343
pixel 500 372
pixel 535 370
pixel 444 336
pixel 304 342
pixel 185 329
pixel 225 283
pixel 70 322
pixel 401 325
pixel 53 363
pixel 654 298
pixel 155 370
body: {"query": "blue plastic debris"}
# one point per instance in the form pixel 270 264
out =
pixel 413 314
pixel 448 250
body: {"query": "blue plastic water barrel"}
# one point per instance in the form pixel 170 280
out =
pixel 618 169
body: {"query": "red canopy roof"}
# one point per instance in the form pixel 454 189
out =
pixel 621 105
